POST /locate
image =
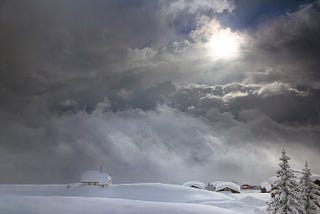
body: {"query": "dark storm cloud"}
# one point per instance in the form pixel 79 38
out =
pixel 248 14
pixel 236 104
pixel 144 145
pixel 129 84
pixel 290 43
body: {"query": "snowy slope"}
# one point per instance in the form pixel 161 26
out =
pixel 64 205
pixel 197 184
pixel 124 198
pixel 146 192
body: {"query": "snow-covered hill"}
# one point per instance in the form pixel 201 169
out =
pixel 125 198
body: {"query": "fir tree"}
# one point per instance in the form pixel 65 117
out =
pixel 310 192
pixel 285 190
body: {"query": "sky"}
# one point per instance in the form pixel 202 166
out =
pixel 158 91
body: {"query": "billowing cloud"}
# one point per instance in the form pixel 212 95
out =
pixel 287 47
pixel 132 85
pixel 150 143
pixel 217 6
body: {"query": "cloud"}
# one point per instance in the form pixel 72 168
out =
pixel 217 6
pixel 131 85
pixel 272 99
pixel 277 88
pixel 289 43
pixel 149 145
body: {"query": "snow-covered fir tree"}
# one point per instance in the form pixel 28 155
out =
pixel 310 192
pixel 285 190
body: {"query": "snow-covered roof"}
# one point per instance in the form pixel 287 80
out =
pixel 266 185
pixel 95 176
pixel 230 185
pixel 215 183
pixel 197 184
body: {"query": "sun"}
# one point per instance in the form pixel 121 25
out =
pixel 224 45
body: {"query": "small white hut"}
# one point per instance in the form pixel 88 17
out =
pixel 96 178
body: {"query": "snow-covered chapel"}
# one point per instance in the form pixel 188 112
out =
pixel 96 178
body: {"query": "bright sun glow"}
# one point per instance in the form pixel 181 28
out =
pixel 224 45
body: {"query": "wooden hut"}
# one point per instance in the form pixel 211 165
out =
pixel 247 186
pixel 228 187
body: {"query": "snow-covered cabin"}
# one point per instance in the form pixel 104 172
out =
pixel 316 179
pixel 195 184
pixel 265 187
pixel 228 186
pixel 212 185
pixel 247 186
pixel 96 177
